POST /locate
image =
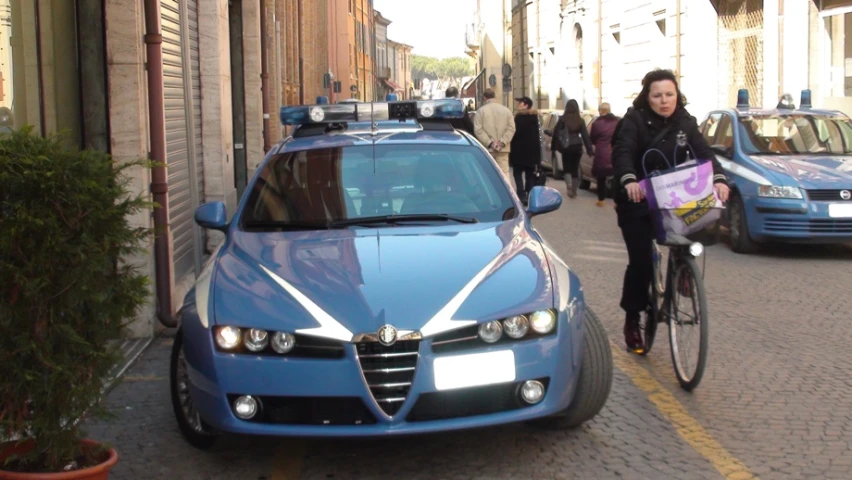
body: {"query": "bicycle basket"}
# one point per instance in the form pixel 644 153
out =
pixel 694 223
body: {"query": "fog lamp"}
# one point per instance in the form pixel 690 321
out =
pixel 256 340
pixel 283 342
pixel 532 391
pixel 245 407
pixel 516 327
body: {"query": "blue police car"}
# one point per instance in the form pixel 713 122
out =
pixel 380 277
pixel 790 171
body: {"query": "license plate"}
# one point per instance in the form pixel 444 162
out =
pixel 473 370
pixel 840 210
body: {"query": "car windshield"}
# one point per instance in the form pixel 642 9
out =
pixel 323 187
pixel 797 134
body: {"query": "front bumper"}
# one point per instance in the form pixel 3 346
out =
pixel 337 389
pixel 795 221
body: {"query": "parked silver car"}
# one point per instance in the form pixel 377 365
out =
pixel 553 160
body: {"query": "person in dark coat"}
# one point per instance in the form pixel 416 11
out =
pixel 525 151
pixel 658 120
pixel 601 136
pixel 575 136
pixel 464 123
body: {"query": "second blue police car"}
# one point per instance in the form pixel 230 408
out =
pixel 790 171
pixel 380 277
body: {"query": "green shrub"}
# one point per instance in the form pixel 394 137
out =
pixel 64 291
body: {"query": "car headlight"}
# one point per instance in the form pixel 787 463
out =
pixel 776 191
pixel 256 340
pixel 543 321
pixel 516 327
pixel 283 342
pixel 228 337
pixel 491 332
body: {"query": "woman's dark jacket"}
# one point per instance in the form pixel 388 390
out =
pixel 638 128
pixel 525 149
pixel 581 137
pixel 601 136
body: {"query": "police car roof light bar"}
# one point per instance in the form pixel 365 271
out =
pixel 806 100
pixel 372 112
pixel 742 99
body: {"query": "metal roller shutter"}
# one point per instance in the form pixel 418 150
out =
pixel 195 74
pixel 180 142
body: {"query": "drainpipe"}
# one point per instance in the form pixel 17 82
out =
pixel 301 58
pixel 159 179
pixel 677 43
pixel 264 78
pixel 600 50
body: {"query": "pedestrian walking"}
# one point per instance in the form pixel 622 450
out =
pixel 601 137
pixel 464 123
pixel 658 120
pixel 570 135
pixel 525 153
pixel 494 125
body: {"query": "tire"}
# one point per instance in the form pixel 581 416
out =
pixel 689 380
pixel 594 383
pixel 741 242
pixel 200 436
pixel 657 290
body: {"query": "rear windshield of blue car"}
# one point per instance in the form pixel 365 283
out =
pixel 325 185
pixel 797 134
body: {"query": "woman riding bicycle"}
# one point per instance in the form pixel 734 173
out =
pixel 657 120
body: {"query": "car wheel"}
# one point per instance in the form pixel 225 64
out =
pixel 741 242
pixel 595 380
pixel 585 184
pixel 194 430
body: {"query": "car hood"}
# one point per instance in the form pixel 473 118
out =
pixel 812 172
pixel 339 283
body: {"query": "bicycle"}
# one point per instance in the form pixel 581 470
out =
pixel 682 278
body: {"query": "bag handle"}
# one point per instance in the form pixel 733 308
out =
pixel 646 154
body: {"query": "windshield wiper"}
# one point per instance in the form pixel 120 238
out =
pixel 288 225
pixel 402 218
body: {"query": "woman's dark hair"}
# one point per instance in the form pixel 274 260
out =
pixel 657 75
pixel 571 116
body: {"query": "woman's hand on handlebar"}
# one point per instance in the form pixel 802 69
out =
pixel 634 192
pixel 722 192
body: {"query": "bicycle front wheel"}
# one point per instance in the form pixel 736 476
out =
pixel 688 324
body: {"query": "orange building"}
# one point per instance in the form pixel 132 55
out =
pixel 351 46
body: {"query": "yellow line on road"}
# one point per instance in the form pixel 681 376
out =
pixel 287 463
pixel 686 426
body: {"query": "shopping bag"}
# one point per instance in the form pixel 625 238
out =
pixel 681 199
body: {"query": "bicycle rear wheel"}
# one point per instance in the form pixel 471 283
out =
pixel 687 319
pixel 648 326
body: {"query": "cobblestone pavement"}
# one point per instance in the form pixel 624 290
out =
pixel 775 402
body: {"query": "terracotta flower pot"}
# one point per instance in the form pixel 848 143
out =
pixel 97 472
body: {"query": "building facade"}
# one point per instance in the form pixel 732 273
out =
pixel 599 50
pixel 351 48
pixel 489 42
pixel 400 70
pixel 384 75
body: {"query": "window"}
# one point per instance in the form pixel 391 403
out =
pixel 45 94
pixel 316 187
pixel 796 134
pixel 710 127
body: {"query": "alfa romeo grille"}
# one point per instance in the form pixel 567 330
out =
pixel 825 195
pixel 389 371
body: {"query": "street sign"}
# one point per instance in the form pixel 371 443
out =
pixel 507 70
pixel 492 80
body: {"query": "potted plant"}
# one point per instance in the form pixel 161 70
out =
pixel 65 293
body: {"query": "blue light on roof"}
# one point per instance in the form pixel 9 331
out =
pixel 371 112
pixel 391 97
pixel 321 100
pixel 806 99
pixel 742 99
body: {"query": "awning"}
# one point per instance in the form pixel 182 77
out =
pixel 471 85
pixel 392 85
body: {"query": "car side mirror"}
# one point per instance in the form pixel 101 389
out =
pixel 543 200
pixel 212 215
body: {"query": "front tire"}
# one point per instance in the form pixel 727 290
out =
pixel 688 282
pixel 594 383
pixel 194 430
pixel 741 242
